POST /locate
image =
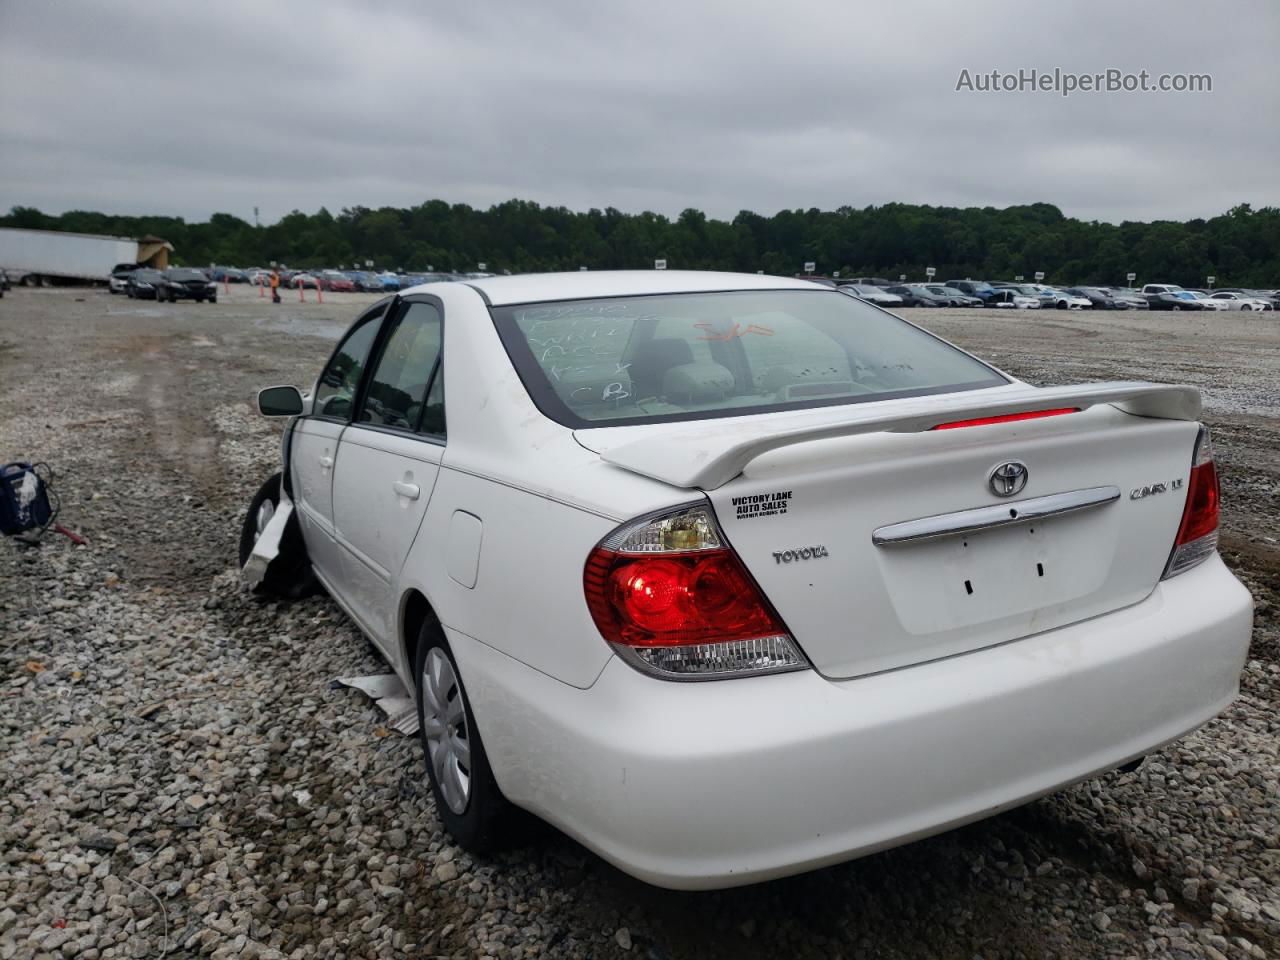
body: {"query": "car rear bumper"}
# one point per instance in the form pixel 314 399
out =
pixel 702 785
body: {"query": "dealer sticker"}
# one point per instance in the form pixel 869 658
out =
pixel 762 505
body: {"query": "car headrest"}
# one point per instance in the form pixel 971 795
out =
pixel 651 361
pixel 699 382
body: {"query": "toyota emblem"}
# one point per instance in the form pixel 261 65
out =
pixel 1008 479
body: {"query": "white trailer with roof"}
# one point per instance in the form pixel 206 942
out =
pixel 39 257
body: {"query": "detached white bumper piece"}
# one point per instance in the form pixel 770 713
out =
pixel 267 547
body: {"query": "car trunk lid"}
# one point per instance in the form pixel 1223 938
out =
pixel 887 548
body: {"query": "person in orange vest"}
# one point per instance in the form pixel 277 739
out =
pixel 275 285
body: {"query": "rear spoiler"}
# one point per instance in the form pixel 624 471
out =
pixel 709 453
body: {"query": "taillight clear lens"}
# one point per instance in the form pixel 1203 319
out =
pixel 676 602
pixel 1198 533
pixel 691 527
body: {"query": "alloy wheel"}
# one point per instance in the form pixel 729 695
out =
pixel 445 729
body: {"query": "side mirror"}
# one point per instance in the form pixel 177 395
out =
pixel 280 402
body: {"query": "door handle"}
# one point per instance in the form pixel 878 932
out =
pixel 326 462
pixel 410 490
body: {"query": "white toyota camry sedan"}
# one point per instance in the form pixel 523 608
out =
pixel 734 576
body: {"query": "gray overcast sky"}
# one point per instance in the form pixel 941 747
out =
pixel 138 107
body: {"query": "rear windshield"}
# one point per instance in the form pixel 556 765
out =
pixel 695 356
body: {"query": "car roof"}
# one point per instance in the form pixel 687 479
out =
pixel 587 285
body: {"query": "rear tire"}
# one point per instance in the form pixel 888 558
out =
pixel 468 800
pixel 289 575
pixel 1245 306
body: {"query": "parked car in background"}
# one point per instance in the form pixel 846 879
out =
pixel 973 288
pixel 1010 298
pixel 1207 301
pixel 1269 296
pixel 1151 288
pixel 143 283
pixel 948 592
pixel 337 281
pixel 1099 297
pixel 118 282
pixel 872 282
pixel 919 295
pixel 1038 290
pixel 954 297
pixel 1241 301
pixel 1129 296
pixel 367 282
pixel 880 296
pixel 390 282
pixel 1177 300
pixel 227 275
pixel 186 283
pixel 1026 289
pixel 1061 300
pixel 303 280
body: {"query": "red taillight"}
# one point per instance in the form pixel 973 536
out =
pixel 677 602
pixel 1200 516
pixel 675 599
pixel 1197 535
pixel 1006 418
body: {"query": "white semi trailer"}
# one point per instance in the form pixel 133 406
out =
pixel 41 257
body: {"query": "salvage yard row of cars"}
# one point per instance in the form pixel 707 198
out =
pixel 196 284
pixel 1035 296
pixel 341 281
pixel 193 283
pixel 608 528
pixel 176 283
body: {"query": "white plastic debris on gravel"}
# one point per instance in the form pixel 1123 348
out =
pixel 391 697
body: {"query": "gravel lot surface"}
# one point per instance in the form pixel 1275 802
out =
pixel 179 777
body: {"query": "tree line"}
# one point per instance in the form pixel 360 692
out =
pixel 1241 247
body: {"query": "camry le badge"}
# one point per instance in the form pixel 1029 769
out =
pixel 1008 478
pixel 1151 489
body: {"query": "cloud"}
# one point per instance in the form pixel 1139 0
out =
pixel 133 108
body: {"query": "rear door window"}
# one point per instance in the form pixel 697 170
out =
pixel 398 388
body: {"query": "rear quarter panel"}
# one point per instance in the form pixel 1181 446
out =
pixel 543 502
pixel 528 600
